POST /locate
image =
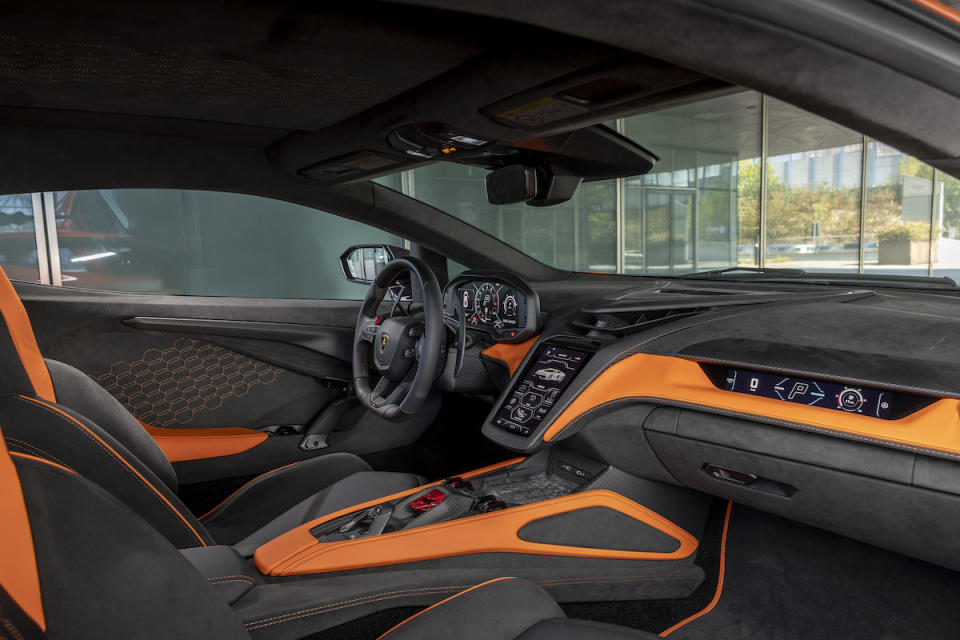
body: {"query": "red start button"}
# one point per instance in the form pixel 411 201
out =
pixel 428 501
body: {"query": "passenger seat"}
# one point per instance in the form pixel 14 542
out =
pixel 76 563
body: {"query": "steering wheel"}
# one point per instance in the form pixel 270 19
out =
pixel 406 349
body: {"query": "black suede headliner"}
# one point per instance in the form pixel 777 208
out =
pixel 340 80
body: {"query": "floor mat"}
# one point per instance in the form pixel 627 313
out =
pixel 787 580
pixel 657 615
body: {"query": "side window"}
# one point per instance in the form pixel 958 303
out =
pixel 205 243
pixel 18 238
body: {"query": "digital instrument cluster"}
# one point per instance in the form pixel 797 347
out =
pixel 490 304
pixel 497 303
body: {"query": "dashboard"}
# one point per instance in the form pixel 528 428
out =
pixel 810 402
pixel 747 350
pixel 500 305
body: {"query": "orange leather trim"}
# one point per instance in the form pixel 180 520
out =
pixel 435 605
pixel 51 463
pixel 494 532
pixel 509 354
pixel 122 461
pixel 194 444
pixel 665 378
pixel 940 9
pixel 720 576
pixel 21 332
pixel 18 562
pixel 276 553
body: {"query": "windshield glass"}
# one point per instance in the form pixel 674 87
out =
pixel 828 206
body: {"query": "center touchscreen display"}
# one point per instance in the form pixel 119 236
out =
pixel 543 381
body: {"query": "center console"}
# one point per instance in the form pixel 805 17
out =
pixel 554 503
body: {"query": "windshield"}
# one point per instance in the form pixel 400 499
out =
pixel 828 206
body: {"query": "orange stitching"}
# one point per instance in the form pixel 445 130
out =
pixel 208 361
pixel 11 629
pixel 347 603
pixel 563 581
pixel 246 484
pixel 123 463
pixel 305 613
pixel 43 454
pixel 44 461
pixel 249 582
pixel 245 577
pixel 437 605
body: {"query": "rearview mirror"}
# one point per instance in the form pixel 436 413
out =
pixel 540 186
pixel 362 263
pixel 511 184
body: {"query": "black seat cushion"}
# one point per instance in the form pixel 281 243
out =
pixel 280 500
pixel 79 392
pixel 504 609
pixel 354 489
pixel 573 629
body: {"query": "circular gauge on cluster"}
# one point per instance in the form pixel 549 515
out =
pixel 487 302
pixel 510 306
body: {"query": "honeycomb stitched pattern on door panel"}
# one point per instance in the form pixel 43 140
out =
pixel 170 386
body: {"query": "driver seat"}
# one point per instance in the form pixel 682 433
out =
pixel 95 436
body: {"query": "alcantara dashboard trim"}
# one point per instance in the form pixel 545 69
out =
pixel 679 381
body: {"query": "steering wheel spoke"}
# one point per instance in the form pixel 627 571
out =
pixel 389 392
pixel 368 331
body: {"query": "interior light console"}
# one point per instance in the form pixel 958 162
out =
pixel 551 370
pixel 838 396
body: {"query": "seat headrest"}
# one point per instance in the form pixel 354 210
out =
pixel 18 560
pixel 22 369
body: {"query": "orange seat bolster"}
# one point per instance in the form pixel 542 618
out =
pixel 18 562
pixel 21 333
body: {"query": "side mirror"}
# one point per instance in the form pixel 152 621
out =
pixel 362 263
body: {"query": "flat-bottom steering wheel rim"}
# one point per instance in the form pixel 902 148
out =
pixel 408 396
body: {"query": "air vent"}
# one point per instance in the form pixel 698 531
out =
pixel 608 325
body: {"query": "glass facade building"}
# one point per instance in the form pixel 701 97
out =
pixel 743 179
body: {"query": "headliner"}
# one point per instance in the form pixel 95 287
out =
pixel 240 96
pixel 281 65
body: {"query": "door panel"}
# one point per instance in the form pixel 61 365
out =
pixel 169 380
pixel 190 363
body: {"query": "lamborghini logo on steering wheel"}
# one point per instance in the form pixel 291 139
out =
pixel 384 339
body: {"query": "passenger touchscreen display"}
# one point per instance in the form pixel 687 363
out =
pixel 817 393
pixel 544 380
